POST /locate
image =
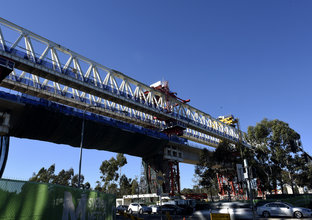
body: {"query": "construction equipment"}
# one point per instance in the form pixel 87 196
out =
pixel 172 126
pixel 229 119
pixel 163 86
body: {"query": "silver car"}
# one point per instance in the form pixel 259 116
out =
pixel 283 209
pixel 236 210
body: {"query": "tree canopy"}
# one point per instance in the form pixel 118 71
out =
pixel 109 171
pixel 64 177
pixel 108 183
pixel 277 148
pixel 221 161
pixel 275 154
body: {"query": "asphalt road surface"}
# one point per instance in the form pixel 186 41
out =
pixel 177 217
pixel 154 217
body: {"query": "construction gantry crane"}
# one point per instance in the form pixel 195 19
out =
pixel 32 64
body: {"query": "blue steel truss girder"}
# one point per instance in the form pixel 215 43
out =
pixel 102 82
pixel 24 86
pixel 34 89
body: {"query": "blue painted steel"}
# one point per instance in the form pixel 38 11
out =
pixel 107 88
pixel 28 99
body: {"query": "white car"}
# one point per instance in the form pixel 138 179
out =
pixel 139 208
pixel 283 209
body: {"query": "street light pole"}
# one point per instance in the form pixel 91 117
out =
pixel 81 143
pixel 249 190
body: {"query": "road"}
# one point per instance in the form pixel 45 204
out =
pixel 158 217
pixel 153 217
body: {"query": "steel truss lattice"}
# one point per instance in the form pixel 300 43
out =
pixel 48 70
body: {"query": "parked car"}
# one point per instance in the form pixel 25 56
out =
pixel 172 209
pixel 122 208
pixel 186 209
pixel 237 210
pixel 283 209
pixel 140 208
pixel 155 209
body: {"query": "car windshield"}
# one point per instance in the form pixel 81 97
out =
pixel 142 205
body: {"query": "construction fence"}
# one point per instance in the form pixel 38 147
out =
pixel 40 201
pixel 303 200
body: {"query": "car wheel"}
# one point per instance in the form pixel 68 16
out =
pixel 266 214
pixel 130 211
pixel 298 214
pixel 141 211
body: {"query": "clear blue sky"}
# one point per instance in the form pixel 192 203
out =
pixel 248 58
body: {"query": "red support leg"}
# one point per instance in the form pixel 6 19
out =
pixel 258 188
pixel 178 177
pixel 219 183
pixel 233 188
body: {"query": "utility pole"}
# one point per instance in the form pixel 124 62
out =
pixel 246 173
pixel 81 146
pixel 138 189
pixel 81 143
pixel 247 177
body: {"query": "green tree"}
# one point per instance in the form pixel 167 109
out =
pixel 134 187
pixel 87 185
pixel 187 191
pixel 304 176
pixel 124 185
pixel 64 177
pixel 112 188
pixel 98 186
pixel 74 182
pixel 225 155
pixel 44 175
pixel 222 161
pixel 109 170
pixel 275 146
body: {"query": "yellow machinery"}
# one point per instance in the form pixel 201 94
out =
pixel 229 119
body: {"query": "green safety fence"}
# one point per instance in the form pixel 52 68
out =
pixel 28 200
pixel 303 200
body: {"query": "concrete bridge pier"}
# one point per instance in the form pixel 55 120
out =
pixel 162 175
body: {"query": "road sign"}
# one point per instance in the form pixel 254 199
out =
pixel 253 183
pixel 240 172
pixel 219 216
